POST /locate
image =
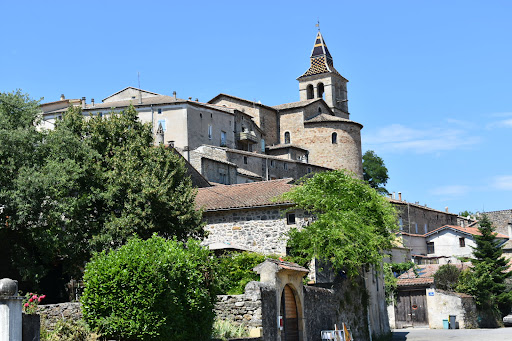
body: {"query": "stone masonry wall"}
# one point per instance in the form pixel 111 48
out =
pixel 260 230
pixel 245 309
pixel 52 313
pixel 413 215
pixel 500 220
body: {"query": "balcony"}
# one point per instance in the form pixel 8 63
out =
pixel 247 137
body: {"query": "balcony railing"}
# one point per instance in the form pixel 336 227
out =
pixel 247 136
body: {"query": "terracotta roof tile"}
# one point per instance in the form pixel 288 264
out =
pixel 415 281
pixel 254 194
pixel 468 230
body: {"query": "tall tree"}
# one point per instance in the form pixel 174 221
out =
pixel 87 185
pixel 353 222
pixel 486 280
pixel 374 171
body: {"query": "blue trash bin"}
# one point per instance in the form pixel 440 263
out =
pixel 446 325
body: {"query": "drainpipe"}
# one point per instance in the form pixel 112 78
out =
pixel 152 120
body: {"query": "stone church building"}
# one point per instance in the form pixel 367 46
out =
pixel 232 140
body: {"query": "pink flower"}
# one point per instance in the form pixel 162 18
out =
pixel 26 304
pixel 42 297
pixel 34 297
pixel 31 299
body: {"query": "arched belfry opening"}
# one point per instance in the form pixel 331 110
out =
pixel 320 90
pixel 310 91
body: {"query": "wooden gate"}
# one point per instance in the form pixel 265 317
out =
pixel 411 308
pixel 288 309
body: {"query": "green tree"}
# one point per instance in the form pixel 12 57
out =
pixel 374 171
pixel 152 289
pixel 353 225
pixel 447 277
pixel 87 185
pixel 486 279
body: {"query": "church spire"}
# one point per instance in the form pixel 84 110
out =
pixel 321 59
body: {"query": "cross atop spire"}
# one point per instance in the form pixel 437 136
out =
pixel 321 60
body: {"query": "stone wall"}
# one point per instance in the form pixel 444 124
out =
pixel 52 313
pixel 424 218
pixel 260 230
pixel 245 309
pixel 343 302
pixel 500 220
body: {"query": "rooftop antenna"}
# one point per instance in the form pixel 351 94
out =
pixel 140 93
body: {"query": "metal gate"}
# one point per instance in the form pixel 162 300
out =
pixel 411 308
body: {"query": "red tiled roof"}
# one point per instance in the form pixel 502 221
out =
pixel 254 194
pixel 415 281
pixel 468 230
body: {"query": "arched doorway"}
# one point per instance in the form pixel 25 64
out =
pixel 288 311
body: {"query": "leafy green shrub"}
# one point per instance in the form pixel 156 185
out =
pixel 234 271
pixel 155 289
pixel 224 330
pixel 68 330
pixel 447 277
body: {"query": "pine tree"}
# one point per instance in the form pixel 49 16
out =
pixel 486 280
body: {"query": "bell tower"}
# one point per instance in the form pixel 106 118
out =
pixel 322 80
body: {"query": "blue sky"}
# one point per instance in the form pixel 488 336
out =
pixel 429 80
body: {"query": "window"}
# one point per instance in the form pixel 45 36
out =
pixel 416 225
pixel 290 218
pixel 262 145
pixel 426 228
pixel 319 110
pixel 430 247
pixel 308 170
pixel 223 179
pixel 201 115
pixel 245 160
pixel 285 166
pixel 210 131
pixel 223 139
pixel 159 110
pixel 272 163
pixel 287 137
pixel 462 242
pixel 334 138
pixel 401 223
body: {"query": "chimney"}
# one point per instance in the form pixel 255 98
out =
pixel 92 102
pixel 446 209
pixel 83 102
pixel 197 99
pixel 400 196
pixel 510 229
pixel 174 94
pixel 190 98
pixel 62 97
pixel 393 197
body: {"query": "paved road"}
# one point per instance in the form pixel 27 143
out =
pixel 425 334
